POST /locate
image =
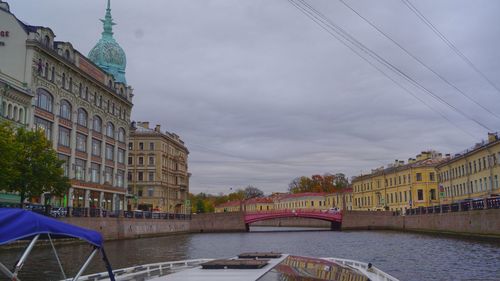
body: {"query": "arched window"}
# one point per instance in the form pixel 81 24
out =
pixel 121 91
pixel 14 114
pixel 44 100
pixel 21 115
pixel 110 130
pixel 64 81
pixel 66 54
pixel 9 111
pixel 121 135
pixel 65 110
pixel 82 117
pixel 97 124
pixel 4 109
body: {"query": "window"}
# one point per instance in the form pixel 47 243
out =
pixel 432 176
pixel 419 176
pixel 110 130
pixel 80 90
pixel 110 152
pixel 151 146
pixel 141 146
pixel 80 169
pixel 121 135
pixel 70 84
pixel 65 165
pixel 97 124
pixel 82 117
pixel 64 81
pixel 119 178
pixel 420 195
pixel 141 160
pixel 44 100
pixel 151 160
pixel 151 176
pixel 95 170
pixel 45 126
pixel 130 161
pixel 81 142
pixel 151 191
pixel 86 93
pixel 64 136
pixel 433 194
pixel 130 145
pixel 121 156
pixel 46 70
pixel 96 147
pixel 65 110
pixel 108 175
pixel 139 192
pixel 129 176
pixel 140 176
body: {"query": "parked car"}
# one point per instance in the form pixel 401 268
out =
pixel 58 212
pixel 37 208
pixel 332 210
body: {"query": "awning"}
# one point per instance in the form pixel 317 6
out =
pixel 10 198
pixel 18 224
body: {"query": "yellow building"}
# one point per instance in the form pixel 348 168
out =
pixel 262 204
pixel 400 186
pixel 471 174
pixel 341 199
pixel 231 206
pixel 301 201
pixel 158 171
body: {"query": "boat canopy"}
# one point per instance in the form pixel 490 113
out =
pixel 18 224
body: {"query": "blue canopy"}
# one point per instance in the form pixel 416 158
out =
pixel 17 224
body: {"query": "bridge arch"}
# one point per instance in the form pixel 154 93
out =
pixel 335 218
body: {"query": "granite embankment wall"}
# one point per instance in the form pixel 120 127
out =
pixel 471 223
pixel 124 228
pixel 293 222
pixel 218 222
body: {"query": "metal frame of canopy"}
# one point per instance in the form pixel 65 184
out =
pixel 46 226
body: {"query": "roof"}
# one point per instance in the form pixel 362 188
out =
pixel 19 224
pixel 259 200
pixel 299 195
pixel 229 204
pixel 477 147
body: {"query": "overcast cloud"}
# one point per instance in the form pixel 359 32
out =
pixel 261 94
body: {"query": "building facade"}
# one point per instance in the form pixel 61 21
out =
pixel 472 174
pixel 158 170
pixel 341 199
pixel 81 106
pixel 400 186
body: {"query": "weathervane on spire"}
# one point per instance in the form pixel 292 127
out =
pixel 108 22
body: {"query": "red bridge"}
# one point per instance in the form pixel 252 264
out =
pixel 334 217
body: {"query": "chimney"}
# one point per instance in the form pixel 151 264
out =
pixel 158 128
pixel 492 137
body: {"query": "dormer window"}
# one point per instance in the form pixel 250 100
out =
pixel 66 54
pixel 46 41
pixel 110 83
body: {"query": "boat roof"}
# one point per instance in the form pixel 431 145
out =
pixel 19 224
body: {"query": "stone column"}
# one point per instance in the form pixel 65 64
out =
pixel 86 199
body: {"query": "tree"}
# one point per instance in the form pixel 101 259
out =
pixel 252 192
pixel 8 152
pixel 37 166
pixel 340 181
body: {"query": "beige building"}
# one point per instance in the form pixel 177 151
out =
pixel 400 186
pixel 158 170
pixel 79 102
pixel 341 199
pixel 471 174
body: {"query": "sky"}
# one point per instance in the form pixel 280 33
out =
pixel 261 94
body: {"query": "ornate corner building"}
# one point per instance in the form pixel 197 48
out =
pixel 158 175
pixel 82 104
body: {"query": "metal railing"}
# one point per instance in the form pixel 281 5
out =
pixel 59 212
pixel 463 206
pixel 365 268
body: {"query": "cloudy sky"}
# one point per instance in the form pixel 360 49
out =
pixel 262 94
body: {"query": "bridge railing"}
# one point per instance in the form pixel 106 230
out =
pixel 291 211
pixel 463 206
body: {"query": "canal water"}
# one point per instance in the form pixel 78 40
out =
pixel 407 256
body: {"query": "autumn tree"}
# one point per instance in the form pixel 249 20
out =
pixel 8 153
pixel 252 192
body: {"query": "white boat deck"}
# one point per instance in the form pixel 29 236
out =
pixel 197 274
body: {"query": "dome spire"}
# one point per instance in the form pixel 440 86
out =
pixel 108 22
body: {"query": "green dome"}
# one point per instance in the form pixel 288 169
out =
pixel 107 53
